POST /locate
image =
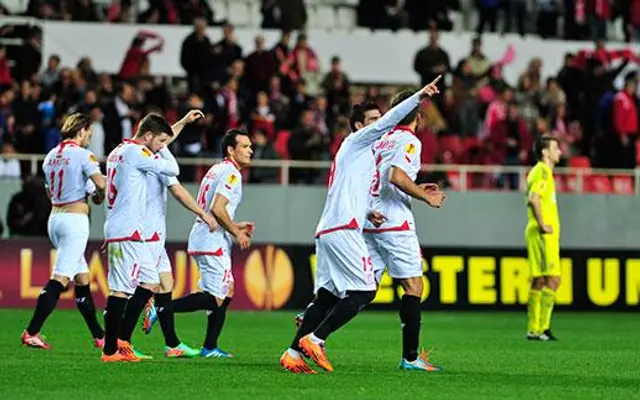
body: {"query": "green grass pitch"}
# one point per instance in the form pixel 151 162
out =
pixel 484 355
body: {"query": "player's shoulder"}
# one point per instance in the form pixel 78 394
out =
pixel 540 172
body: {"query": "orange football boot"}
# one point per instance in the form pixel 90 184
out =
pixel 297 365
pixel 316 352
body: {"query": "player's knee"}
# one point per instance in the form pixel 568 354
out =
pixel 64 281
pixel 537 283
pixel 326 299
pixel 361 298
pixel 231 290
pixel 413 286
pixel 553 282
pixel 166 282
pixel 82 279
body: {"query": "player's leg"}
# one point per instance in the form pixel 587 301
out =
pixel 50 294
pixel 85 304
pixel 84 299
pixel 164 311
pixel 201 300
pixel 552 274
pixel 121 285
pixel 324 301
pixel 217 281
pixel 146 273
pixel 352 273
pixel 534 254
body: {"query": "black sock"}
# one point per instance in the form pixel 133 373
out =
pixel 410 318
pixel 164 308
pixel 194 302
pixel 316 312
pixel 344 311
pixel 44 306
pixel 215 322
pixel 84 302
pixel 135 306
pixel 112 322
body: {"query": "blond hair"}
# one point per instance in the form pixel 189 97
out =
pixel 73 124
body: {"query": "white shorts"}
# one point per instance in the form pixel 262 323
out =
pixel 398 251
pixel 130 264
pixel 215 274
pixel 69 234
pixel 159 252
pixel 343 263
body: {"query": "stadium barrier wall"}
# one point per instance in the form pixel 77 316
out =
pixel 72 41
pixel 289 215
pixel 269 277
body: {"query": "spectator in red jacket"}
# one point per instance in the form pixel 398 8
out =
pixel 5 69
pixel 625 123
pixel 510 142
pixel 137 55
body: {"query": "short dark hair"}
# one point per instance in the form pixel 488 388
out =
pixel 230 139
pixel 154 123
pixel 73 124
pixel 399 98
pixel 543 142
pixel 357 113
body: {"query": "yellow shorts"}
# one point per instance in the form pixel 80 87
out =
pixel 544 254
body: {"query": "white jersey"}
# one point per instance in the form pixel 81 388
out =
pixel 224 179
pixel 67 168
pixel 347 202
pixel 399 148
pixel 157 202
pixel 126 196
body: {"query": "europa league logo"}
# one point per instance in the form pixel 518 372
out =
pixel 268 277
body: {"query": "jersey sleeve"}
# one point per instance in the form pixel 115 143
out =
pixel 230 182
pixel 162 163
pixel 369 134
pixel 539 182
pixel 169 181
pixel 90 164
pixel 407 156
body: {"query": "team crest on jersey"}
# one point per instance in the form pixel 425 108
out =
pixel 410 148
pixel 146 152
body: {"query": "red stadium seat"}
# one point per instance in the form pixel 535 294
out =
pixel 623 185
pixel 580 162
pixel 637 152
pixel 597 184
pixel 281 145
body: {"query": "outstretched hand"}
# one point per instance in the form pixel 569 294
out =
pixel 431 89
pixel 193 116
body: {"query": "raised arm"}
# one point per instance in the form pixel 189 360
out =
pixel 192 116
pixel 369 134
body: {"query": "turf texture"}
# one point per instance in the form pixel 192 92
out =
pixel 484 355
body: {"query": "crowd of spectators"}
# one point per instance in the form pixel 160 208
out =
pixel 295 102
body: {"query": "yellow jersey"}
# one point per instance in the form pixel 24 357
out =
pixel 540 181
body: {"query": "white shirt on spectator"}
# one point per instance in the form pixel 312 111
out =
pixel 97 139
pixel 123 110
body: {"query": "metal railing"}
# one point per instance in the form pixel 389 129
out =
pixel 577 177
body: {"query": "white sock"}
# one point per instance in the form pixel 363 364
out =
pixel 294 353
pixel 316 339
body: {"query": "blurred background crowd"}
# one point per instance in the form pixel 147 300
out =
pixel 295 101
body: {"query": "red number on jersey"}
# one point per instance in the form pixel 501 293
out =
pixel 56 193
pixel 202 196
pixel 227 276
pixel 112 191
pixel 367 264
pixel 375 183
pixel 332 172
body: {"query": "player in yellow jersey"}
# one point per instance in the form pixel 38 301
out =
pixel 543 239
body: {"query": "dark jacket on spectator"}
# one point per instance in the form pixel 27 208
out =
pixel 29 209
pixel 293 15
pixel 260 67
pixel 261 174
pixel 195 55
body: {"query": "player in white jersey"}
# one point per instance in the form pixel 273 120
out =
pixel 345 282
pixel 157 186
pixel 394 243
pixel 133 274
pixel 68 168
pixel 221 192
